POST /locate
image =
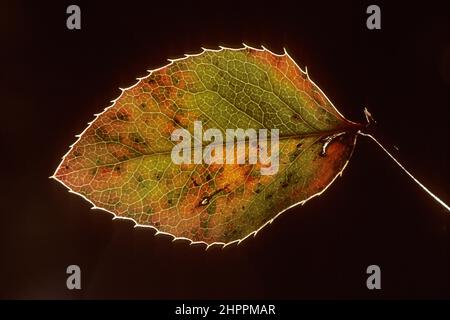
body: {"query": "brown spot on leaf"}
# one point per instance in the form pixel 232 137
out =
pixel 123 115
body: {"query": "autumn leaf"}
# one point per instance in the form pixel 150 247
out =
pixel 122 162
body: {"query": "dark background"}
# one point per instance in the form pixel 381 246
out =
pixel 53 80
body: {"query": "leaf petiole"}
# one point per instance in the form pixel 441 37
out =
pixel 406 171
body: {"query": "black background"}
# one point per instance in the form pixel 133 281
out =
pixel 53 80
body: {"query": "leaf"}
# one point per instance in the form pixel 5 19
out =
pixel 122 161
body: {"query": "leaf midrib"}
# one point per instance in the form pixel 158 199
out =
pixel 321 134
